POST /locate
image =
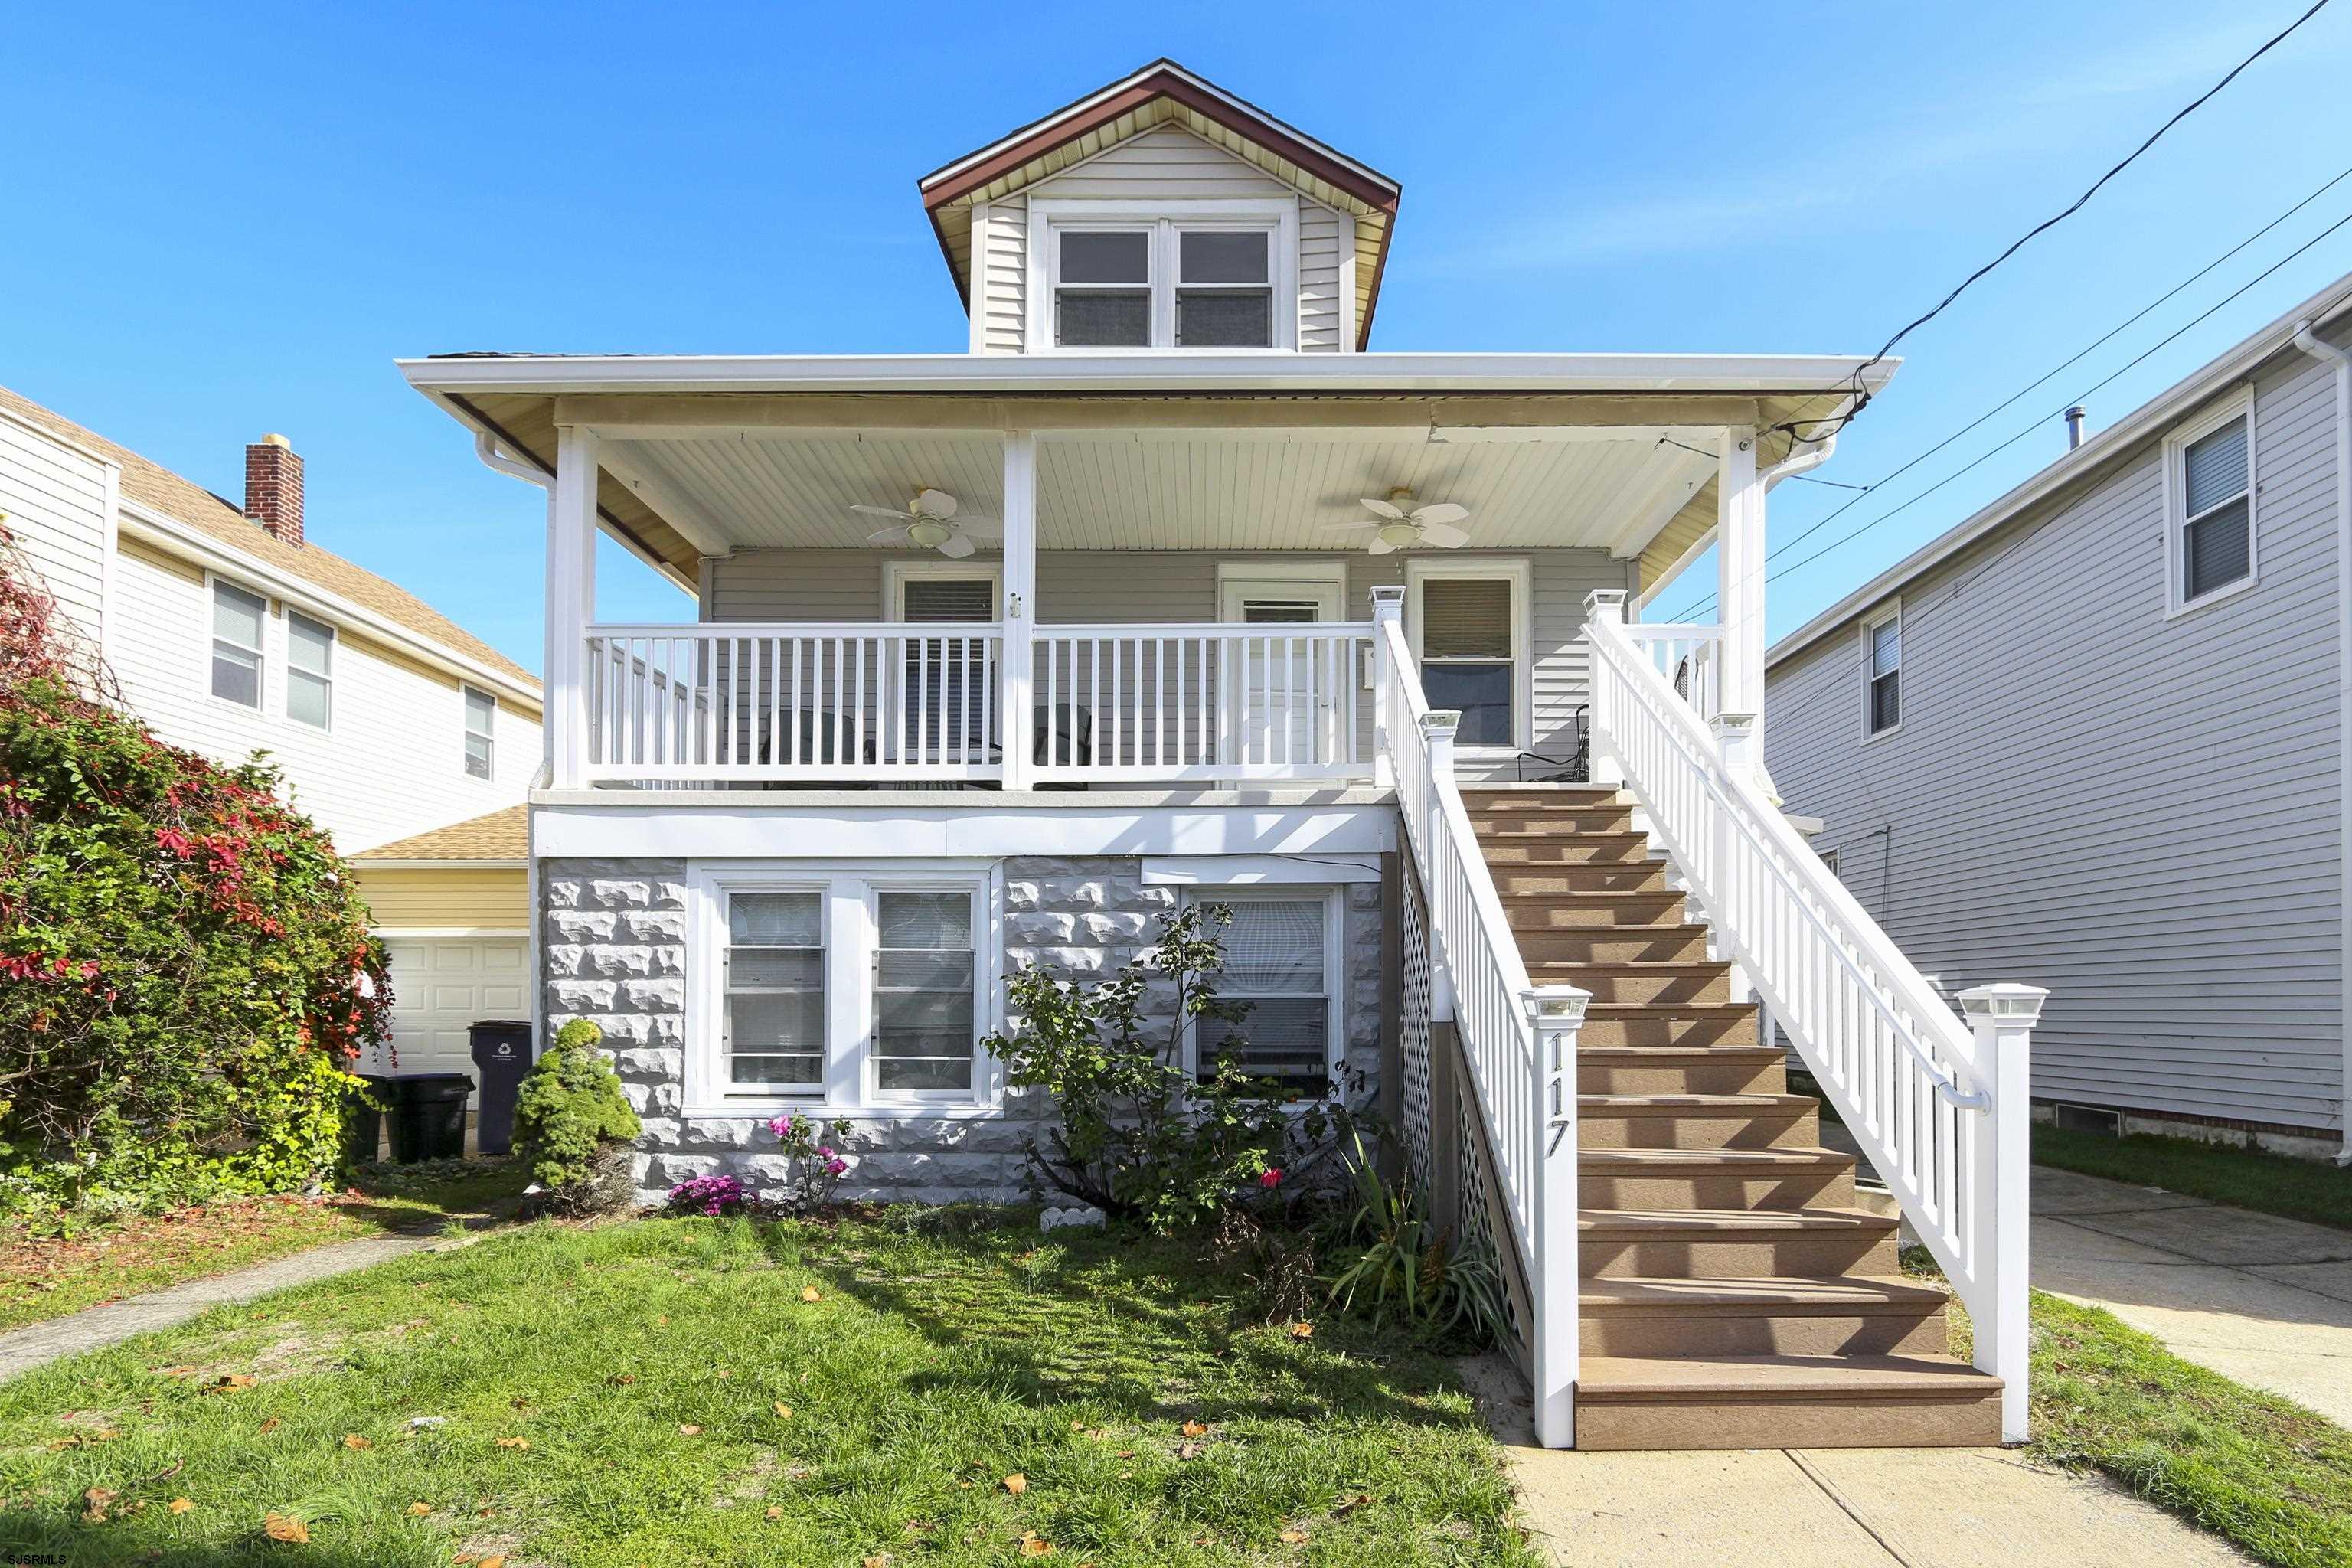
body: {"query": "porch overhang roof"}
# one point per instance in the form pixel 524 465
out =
pixel 695 446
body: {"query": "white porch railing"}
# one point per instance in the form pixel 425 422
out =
pixel 854 701
pixel 1688 657
pixel 1517 1038
pixel 1939 1106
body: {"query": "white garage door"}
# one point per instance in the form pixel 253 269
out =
pixel 440 985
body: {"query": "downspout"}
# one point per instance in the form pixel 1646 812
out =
pixel 486 448
pixel 1803 457
pixel 2309 341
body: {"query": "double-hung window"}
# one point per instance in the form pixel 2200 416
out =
pixel 240 622
pixel 1282 964
pixel 1470 625
pixel 1210 281
pixel 2210 499
pixel 310 670
pixel 838 987
pixel 481 719
pixel 1881 656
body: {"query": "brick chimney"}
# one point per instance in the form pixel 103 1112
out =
pixel 273 488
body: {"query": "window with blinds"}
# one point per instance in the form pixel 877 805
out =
pixel 954 684
pixel 1277 962
pixel 1465 654
pixel 239 621
pixel 2217 543
pixel 923 991
pixel 310 670
pixel 1884 697
pixel 775 993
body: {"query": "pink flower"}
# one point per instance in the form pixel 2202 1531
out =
pixel 1271 1180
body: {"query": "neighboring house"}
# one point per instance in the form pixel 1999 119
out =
pixel 1170 589
pixel 229 634
pixel 2094 737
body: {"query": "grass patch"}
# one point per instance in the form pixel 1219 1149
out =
pixel 619 1395
pixel 49 1276
pixel 2308 1190
pixel 2257 1469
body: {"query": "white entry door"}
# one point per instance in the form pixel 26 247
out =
pixel 1269 688
pixel 443 986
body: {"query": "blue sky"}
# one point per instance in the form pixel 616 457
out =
pixel 236 227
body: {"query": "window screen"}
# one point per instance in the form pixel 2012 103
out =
pixel 923 982
pixel 775 992
pixel 238 619
pixel 1466 652
pixel 1103 293
pixel 481 714
pixel 2217 536
pixel 1275 963
pixel 310 670
pixel 1886 674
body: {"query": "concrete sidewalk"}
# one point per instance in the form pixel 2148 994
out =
pixel 1827 1508
pixel 2267 1301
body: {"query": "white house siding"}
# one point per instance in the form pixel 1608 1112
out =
pixel 391 766
pixel 59 502
pixel 1117 588
pixel 2140 814
pixel 1175 165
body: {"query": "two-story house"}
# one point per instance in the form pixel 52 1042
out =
pixel 1167 588
pixel 405 737
pixel 2095 736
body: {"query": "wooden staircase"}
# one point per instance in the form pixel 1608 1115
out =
pixel 1733 1294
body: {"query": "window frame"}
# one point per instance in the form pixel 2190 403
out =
pixel 722 1078
pixel 1515 571
pixel 1334 900
pixel 2239 405
pixel 1164 220
pixel 848 893
pixel 467 731
pixel 214 584
pixel 325 677
pixel 1892 610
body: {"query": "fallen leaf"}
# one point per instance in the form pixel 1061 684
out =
pixel 94 1504
pixel 775 1510
pixel 688 1429
pixel 1350 1505
pixel 1195 1429
pixel 784 1409
pixel 514 1442
pixel 1127 1475
pixel 354 1441
pixel 1191 1450
pixel 269 1426
pixel 662 1318
pixel 623 1377
pixel 495 1560
pixel 1302 1330
pixel 1016 1483
pixel 1124 1454
pixel 724 1372
pixel 180 1505
pixel 65 1442
pixel 810 1294
pixel 881 1562
pixel 1294 1536
pixel 104 1435
pixel 520 1402
pixel 1036 1545
pixel 419 1509
pixel 284 1527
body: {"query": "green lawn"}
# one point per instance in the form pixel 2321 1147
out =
pixel 2257 1469
pixel 667 1392
pixel 46 1274
pixel 2272 1183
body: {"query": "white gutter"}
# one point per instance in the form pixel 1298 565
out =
pixel 2340 360
pixel 169 533
pixel 361 862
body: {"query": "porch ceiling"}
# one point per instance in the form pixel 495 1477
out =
pixel 770 489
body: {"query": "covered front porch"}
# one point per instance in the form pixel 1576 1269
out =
pixel 997 580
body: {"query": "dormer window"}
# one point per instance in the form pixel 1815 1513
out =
pixel 1205 282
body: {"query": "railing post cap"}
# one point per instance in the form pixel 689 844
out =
pixel 1555 1006
pixel 1605 603
pixel 2009 1004
pixel 1388 599
pixel 1439 723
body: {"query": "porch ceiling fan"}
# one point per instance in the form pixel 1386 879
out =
pixel 930 521
pixel 1393 527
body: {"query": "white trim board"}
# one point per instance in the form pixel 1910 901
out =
pixel 1250 870
pixel 898 833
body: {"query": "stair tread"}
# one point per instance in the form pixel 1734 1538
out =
pixel 1615 1009
pixel 1620 1103
pixel 1757 1291
pixel 1661 1053
pixel 1601 1378
pixel 1721 1158
pixel 1680 1221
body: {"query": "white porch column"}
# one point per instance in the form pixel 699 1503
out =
pixel 571 603
pixel 1739 586
pixel 2002 1018
pixel 1018 613
pixel 1555 1014
pixel 1388 609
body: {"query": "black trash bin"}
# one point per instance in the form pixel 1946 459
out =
pixel 502 1054
pixel 428 1116
pixel 363 1119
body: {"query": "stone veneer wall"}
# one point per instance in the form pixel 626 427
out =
pixel 614 950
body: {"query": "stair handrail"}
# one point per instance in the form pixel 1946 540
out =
pixel 1517 1037
pixel 1939 1106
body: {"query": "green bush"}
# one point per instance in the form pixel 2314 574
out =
pixel 570 1112
pixel 185 971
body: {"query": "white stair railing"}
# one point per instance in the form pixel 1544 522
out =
pixel 1517 1038
pixel 1939 1106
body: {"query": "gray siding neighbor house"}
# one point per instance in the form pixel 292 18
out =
pixel 2093 738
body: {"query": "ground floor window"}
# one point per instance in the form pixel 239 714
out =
pixel 1283 960
pixel 838 988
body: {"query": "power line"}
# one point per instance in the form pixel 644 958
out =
pixel 1860 398
pixel 2076 358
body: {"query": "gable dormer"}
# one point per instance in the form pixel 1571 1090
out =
pixel 1162 213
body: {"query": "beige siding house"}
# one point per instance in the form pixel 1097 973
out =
pixel 229 633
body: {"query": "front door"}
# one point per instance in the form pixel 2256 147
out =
pixel 1269 685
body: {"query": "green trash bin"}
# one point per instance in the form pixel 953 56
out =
pixel 364 1119
pixel 428 1118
